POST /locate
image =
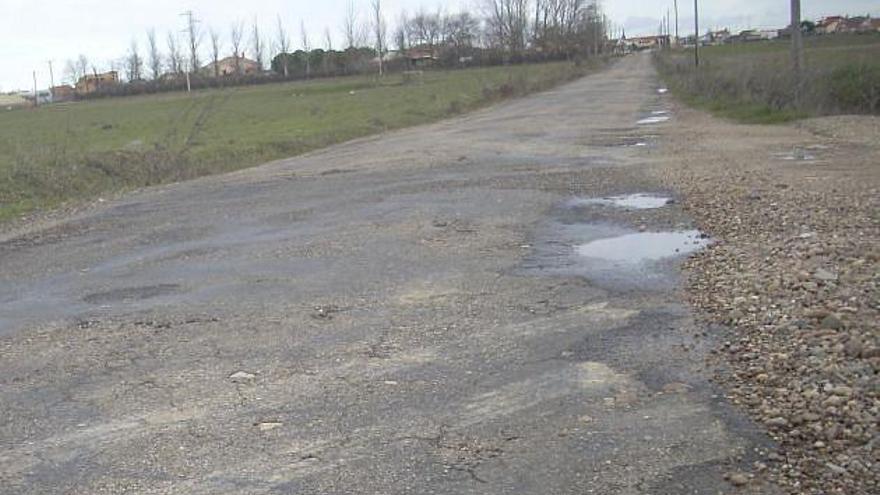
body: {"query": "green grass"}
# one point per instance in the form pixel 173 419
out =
pixel 81 150
pixel 754 83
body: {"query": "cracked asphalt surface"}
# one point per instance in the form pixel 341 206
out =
pixel 398 314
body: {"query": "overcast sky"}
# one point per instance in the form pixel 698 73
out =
pixel 33 32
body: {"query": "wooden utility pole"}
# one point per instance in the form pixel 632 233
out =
pixel 36 95
pixel 696 33
pixel 51 82
pixel 675 3
pixel 797 41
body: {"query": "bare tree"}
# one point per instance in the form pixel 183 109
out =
pixel 507 22
pixel 328 39
pixel 155 56
pixel 306 47
pixel 215 51
pixel 82 64
pixel 194 35
pixel 400 32
pixel 175 59
pixel 257 44
pixel 74 70
pixel 283 45
pixel 236 33
pixel 133 62
pixel 460 32
pixel 351 26
pixel 425 29
pixel 328 44
pixel 70 72
pixel 379 30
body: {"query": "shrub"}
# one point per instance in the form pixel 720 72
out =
pixel 856 87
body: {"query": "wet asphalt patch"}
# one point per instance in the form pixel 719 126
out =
pixel 132 294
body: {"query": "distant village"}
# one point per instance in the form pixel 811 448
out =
pixel 239 68
pixel 827 26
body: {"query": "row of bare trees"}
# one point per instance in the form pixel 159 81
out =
pixel 500 31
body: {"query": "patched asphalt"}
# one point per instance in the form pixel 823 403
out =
pixel 401 314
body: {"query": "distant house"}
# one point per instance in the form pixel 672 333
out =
pixel 64 92
pixel 421 56
pixel 718 37
pixel 648 42
pixel 12 100
pixel 172 77
pixel 758 35
pixel 231 66
pixel 91 83
pixel 830 25
pixel 866 24
pixel 840 24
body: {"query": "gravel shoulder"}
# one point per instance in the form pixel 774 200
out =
pixel 792 282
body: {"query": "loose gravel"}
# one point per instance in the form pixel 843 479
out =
pixel 793 278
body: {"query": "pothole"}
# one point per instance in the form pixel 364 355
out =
pixel 638 201
pixel 621 141
pixel 640 247
pixel 611 256
pixel 797 155
pixel 654 119
pixel 129 294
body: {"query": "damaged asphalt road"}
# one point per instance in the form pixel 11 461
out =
pixel 401 314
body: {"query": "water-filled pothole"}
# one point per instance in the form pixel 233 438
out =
pixel 638 201
pixel 643 246
pixel 656 119
pixel 611 256
pixel 796 155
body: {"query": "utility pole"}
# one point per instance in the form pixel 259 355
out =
pixel 675 2
pixel 51 82
pixel 797 41
pixel 192 34
pixel 36 95
pixel 696 33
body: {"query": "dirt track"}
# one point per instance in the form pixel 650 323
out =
pixel 402 314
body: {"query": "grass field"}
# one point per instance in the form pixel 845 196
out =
pixel 753 82
pixel 81 150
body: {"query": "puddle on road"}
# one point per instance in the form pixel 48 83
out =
pixel 638 201
pixel 657 119
pixel 643 246
pixel 634 142
pixel 663 91
pixel 660 112
pixel 611 256
pixel 796 155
